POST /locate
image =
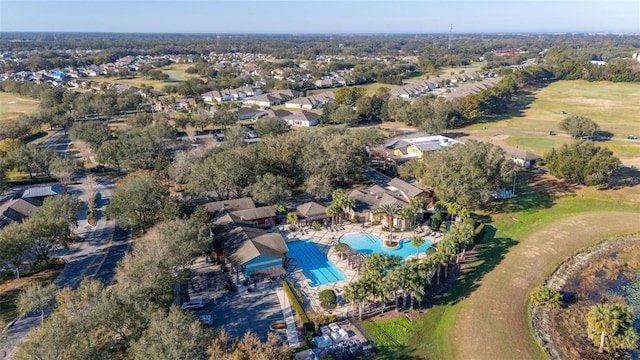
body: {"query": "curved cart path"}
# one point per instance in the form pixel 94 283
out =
pixel 493 322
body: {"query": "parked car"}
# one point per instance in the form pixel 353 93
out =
pixel 632 137
pixel 206 319
pixel 552 133
pixel 194 304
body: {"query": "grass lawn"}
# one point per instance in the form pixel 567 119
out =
pixel 389 336
pixel 475 66
pixel 177 72
pixel 11 105
pixel 614 106
pixel 485 314
pixel 9 292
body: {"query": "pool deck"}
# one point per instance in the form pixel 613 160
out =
pixel 324 240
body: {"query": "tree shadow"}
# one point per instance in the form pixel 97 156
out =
pixel 602 135
pixel 534 192
pixel 519 103
pixel 487 255
pixel 399 352
pixel 625 177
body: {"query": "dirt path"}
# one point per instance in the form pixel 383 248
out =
pixel 493 322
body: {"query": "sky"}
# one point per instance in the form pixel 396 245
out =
pixel 327 16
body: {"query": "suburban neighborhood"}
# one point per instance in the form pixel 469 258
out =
pixel 220 195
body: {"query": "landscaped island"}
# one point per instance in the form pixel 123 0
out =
pixel 593 280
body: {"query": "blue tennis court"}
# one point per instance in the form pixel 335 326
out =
pixel 314 263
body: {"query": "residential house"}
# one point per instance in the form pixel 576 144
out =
pixel 519 156
pixel 42 192
pixel 184 103
pixel 19 210
pixel 413 148
pixel 28 203
pixel 302 103
pixel 286 95
pixel 323 83
pixel 246 113
pixel 215 96
pixel 303 118
pixel 312 101
pixel 265 100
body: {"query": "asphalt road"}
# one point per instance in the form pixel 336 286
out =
pixel 58 142
pixel 94 256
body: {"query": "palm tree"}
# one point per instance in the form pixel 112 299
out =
pixel 391 210
pixel 611 327
pixel 280 209
pixel 546 296
pixel 400 278
pixel 417 241
pixel 405 214
pixel 417 204
pixel 333 210
pixel 357 291
pixel 292 218
pixel 418 280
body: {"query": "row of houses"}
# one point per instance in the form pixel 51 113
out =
pixel 470 88
pixel 231 94
pixel 311 101
pixel 273 98
pixel 421 87
pixel 293 118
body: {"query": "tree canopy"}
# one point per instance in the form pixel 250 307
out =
pixel 464 173
pixel 583 163
pixel 579 125
pixel 138 202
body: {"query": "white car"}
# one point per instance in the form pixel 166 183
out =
pixel 194 304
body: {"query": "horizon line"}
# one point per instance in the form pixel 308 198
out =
pixel 531 32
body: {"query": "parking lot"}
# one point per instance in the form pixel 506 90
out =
pixel 235 313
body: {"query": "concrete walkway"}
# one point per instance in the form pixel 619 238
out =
pixel 289 319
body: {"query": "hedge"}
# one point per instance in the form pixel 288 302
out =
pixel 296 304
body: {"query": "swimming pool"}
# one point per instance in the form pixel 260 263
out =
pixel 314 263
pixel 369 244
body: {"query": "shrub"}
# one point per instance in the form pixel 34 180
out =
pixel 436 220
pixel 316 225
pixel 328 319
pixel 328 299
pixel 297 306
pixel 296 292
pixel 546 296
